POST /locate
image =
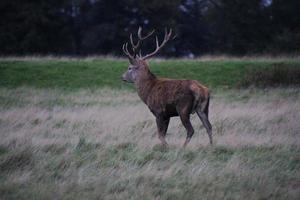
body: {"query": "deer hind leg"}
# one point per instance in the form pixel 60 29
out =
pixel 162 127
pixel 204 118
pixel 185 119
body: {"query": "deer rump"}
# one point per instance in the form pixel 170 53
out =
pixel 171 98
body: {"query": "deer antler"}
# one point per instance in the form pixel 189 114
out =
pixel 135 46
pixel 159 46
pixel 126 52
pixel 140 34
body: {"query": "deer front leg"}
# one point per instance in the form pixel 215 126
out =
pixel 162 126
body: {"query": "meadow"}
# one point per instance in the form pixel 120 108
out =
pixel 70 129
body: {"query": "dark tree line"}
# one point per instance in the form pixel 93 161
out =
pixel 82 27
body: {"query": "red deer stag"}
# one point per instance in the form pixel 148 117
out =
pixel 164 97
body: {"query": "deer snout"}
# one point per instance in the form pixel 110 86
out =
pixel 123 77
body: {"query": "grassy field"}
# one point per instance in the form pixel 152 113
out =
pixel 94 73
pixel 70 129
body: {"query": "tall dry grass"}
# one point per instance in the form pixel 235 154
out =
pixel 102 145
pixel 112 117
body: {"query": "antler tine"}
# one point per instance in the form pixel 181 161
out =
pixel 145 37
pixel 159 46
pixel 134 46
pixel 125 50
pixel 123 47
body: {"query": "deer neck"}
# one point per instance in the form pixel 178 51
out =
pixel 144 85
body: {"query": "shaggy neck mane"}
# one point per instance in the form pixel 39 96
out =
pixel 144 84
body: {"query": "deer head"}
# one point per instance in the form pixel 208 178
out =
pixel 138 67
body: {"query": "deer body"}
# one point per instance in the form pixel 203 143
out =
pixel 168 98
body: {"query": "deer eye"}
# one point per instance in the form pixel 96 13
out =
pixel 129 68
